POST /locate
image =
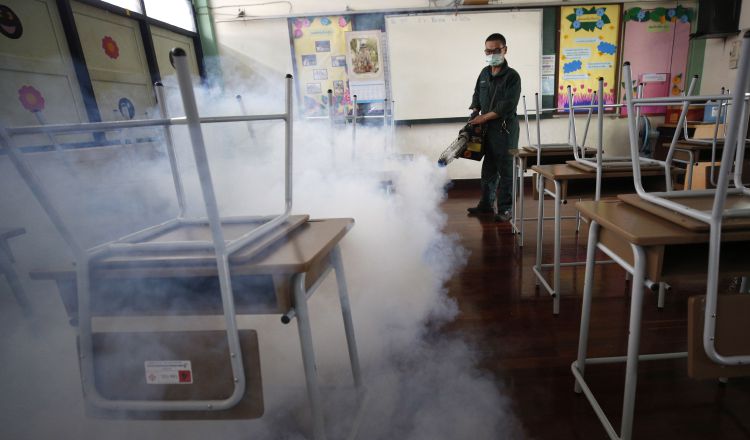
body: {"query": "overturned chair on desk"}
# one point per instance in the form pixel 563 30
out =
pixel 583 177
pixel 196 367
pixel 540 153
pixel 649 234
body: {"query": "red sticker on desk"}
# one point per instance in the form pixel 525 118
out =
pixel 185 376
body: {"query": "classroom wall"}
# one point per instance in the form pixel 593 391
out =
pixel 716 71
pixel 259 49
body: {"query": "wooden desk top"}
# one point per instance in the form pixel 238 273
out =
pixel 646 229
pixel 298 253
pixel 526 152
pixel 702 203
pixel 566 172
pixel 6 233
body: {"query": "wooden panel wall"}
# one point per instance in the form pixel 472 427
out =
pixel 36 71
pixel 116 61
pixel 164 41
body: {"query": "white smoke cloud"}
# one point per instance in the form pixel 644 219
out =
pixel 422 384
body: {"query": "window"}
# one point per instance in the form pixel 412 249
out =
pixel 175 12
pixel 130 5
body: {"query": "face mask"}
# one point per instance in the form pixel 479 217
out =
pixel 495 59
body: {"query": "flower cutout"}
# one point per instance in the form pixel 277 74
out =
pixel 579 12
pixel 671 13
pixel 576 24
pixel 298 33
pixel 325 21
pixel 684 19
pixel 642 15
pixel 600 11
pixel 110 47
pixel 342 22
pixel 600 24
pixel 31 99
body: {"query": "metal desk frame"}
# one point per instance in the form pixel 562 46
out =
pixel 734 144
pixel 223 248
pixel 518 217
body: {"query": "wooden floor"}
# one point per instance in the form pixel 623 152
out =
pixel 530 351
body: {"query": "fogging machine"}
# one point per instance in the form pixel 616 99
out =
pixel 468 144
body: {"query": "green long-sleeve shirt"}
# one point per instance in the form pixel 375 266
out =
pixel 506 88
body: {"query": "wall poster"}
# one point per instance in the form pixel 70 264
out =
pixel 319 56
pixel 589 36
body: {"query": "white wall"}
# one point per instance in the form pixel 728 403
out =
pixel 716 72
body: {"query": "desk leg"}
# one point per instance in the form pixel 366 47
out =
pixel 308 356
pixel 514 195
pixel 588 288
pixel 662 293
pixel 634 340
pixel 556 275
pixel 539 224
pixel 346 311
pixel 6 268
pixel 521 200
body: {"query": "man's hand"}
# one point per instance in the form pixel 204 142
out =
pixel 481 119
pixel 478 120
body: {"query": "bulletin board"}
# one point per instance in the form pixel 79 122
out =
pixel 588 49
pixel 663 67
pixel 319 52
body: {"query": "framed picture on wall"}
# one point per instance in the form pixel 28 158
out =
pixel 364 56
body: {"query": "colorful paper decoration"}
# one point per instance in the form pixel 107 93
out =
pixel 110 47
pixel 589 38
pixel 31 99
pixel 10 23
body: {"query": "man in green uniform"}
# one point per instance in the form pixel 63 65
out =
pixel 495 99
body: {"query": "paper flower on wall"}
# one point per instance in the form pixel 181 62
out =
pixel 588 19
pixel 110 47
pixel 10 24
pixel 31 99
pixel 325 21
pixel 677 84
pixel 342 22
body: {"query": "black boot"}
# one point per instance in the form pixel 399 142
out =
pixel 480 209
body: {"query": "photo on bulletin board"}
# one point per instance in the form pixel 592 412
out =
pixel 589 38
pixel 338 61
pixel 309 60
pixel 338 88
pixel 318 55
pixel 313 89
pixel 364 56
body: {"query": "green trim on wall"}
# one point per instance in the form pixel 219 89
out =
pixel 549 43
pixel 696 53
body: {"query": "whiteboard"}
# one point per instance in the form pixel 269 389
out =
pixel 435 59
